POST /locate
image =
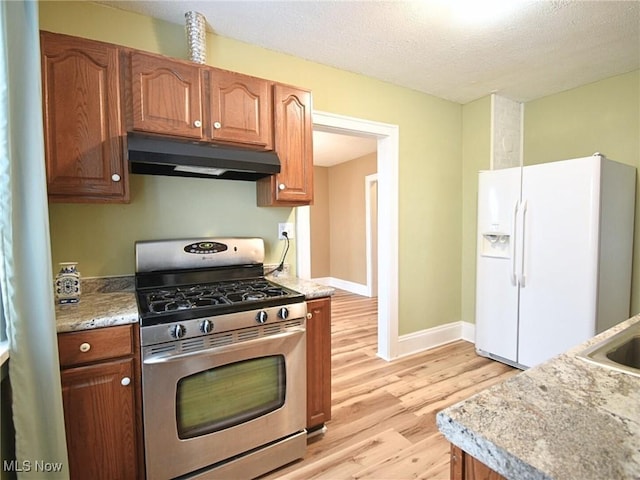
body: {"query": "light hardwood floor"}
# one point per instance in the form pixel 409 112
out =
pixel 383 413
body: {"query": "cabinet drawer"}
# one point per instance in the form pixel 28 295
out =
pixel 76 348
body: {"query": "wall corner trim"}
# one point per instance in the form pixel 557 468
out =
pixel 429 338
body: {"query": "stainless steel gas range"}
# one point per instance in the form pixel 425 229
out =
pixel 223 360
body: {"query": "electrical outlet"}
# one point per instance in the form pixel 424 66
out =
pixel 285 227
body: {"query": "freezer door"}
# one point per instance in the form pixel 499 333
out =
pixel 558 273
pixel 496 290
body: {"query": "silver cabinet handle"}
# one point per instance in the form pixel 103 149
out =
pixel 282 186
pixel 85 347
pixel 125 381
pixel 309 316
pixel 197 123
pixel 115 177
pixel 217 125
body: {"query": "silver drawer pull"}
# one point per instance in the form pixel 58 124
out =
pixel 115 177
pixel 282 186
pixel 125 381
pixel 85 347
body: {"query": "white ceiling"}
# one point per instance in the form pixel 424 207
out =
pixel 333 148
pixel 441 47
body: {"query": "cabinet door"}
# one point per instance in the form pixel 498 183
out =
pixel 241 109
pixel 166 96
pixel 466 467
pixel 99 414
pixel 293 143
pixel 318 362
pixel 82 120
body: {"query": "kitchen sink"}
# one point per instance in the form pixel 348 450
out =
pixel 620 352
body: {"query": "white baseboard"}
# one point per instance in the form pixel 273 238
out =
pixel 469 332
pixel 434 337
pixel 415 342
pixel 352 287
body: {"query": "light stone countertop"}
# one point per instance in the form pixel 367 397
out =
pixel 110 301
pixel 565 419
pixel 310 289
pixel 104 302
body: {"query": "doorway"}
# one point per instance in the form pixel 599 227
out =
pixel 371 233
pixel 387 137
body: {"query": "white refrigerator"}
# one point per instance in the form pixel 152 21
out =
pixel 554 256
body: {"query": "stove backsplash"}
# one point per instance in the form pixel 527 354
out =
pixel 271 266
pixel 125 283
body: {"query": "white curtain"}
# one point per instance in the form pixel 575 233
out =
pixel 25 270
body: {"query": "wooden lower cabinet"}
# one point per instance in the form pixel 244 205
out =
pixel 467 467
pixel 318 362
pixel 101 404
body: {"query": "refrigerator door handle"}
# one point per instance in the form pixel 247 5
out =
pixel 514 276
pixel 523 276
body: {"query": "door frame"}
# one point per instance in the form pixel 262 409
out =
pixel 369 180
pixel 387 136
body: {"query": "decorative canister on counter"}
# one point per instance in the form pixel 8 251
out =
pixel 67 284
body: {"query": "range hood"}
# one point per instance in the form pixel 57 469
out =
pixel 152 155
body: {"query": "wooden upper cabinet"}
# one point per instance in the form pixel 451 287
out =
pixel 166 96
pixel 84 146
pixel 95 92
pixel 241 109
pixel 293 186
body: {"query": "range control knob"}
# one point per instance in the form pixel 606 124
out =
pixel 283 313
pixel 177 330
pixel 206 326
pixel 262 316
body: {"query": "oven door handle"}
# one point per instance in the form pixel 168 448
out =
pixel 225 349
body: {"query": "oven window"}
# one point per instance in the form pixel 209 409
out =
pixel 225 396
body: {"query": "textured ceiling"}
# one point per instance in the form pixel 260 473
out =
pixel 534 49
pixel 444 48
pixel 333 148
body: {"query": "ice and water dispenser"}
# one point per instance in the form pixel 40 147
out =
pixel 495 243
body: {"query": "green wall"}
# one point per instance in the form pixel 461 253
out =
pixel 476 156
pixel 599 117
pixel 101 237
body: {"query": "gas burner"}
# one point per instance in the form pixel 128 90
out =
pixel 213 295
pixel 180 301
pixel 247 296
pixel 175 285
pixel 253 291
pixel 208 301
pixel 275 292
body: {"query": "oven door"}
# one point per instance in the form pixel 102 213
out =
pixel 206 406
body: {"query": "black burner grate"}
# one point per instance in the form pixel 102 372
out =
pixel 170 299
